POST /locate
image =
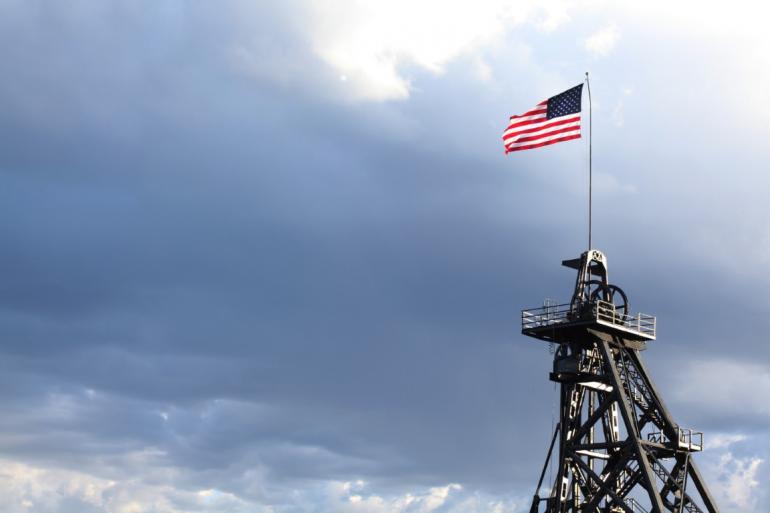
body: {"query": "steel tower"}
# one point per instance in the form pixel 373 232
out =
pixel 619 450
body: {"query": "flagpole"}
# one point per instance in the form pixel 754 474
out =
pixel 590 171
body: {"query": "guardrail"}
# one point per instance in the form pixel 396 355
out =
pixel 640 322
pixel 602 311
pixel 635 506
pixel 686 439
pixel 545 316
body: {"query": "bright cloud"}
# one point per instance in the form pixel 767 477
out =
pixel 602 42
pixel 353 497
pixel 723 440
pixel 738 483
pixel 26 488
pixel 31 488
pixel 371 42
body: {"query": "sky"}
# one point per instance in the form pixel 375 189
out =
pixel 270 257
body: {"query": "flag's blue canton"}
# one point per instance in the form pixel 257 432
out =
pixel 565 103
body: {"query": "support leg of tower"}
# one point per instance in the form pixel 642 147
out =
pixel 705 495
pixel 628 418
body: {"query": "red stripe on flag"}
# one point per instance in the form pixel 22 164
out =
pixel 531 119
pixel 536 110
pixel 531 146
pixel 545 138
pixel 555 122
pixel 547 134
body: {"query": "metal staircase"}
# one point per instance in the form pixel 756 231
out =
pixel 637 389
pixel 676 484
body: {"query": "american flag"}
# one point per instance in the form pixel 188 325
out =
pixel 553 120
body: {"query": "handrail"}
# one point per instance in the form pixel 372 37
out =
pixel 634 505
pixel 601 311
pixel 686 438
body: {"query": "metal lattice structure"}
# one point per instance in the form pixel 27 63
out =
pixel 619 450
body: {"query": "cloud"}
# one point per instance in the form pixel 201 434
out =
pixel 608 184
pixel 26 488
pixel 372 44
pixel 726 396
pixel 737 482
pixel 724 440
pixel 733 474
pixel 602 42
pixel 224 289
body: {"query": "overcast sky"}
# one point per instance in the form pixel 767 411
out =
pixel 269 257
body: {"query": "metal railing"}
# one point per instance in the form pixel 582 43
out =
pixel 635 506
pixel 690 439
pixel 686 439
pixel 601 311
pixel 548 315
pixel 640 322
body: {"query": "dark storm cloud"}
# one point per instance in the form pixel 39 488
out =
pixel 189 235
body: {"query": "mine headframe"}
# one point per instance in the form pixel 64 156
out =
pixel 617 447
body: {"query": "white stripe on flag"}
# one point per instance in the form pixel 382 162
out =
pixel 543 139
pixel 548 130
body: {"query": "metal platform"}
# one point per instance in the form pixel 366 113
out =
pixel 549 321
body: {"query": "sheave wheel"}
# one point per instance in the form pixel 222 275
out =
pixel 612 294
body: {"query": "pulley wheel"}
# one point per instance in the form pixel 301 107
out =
pixel 612 294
